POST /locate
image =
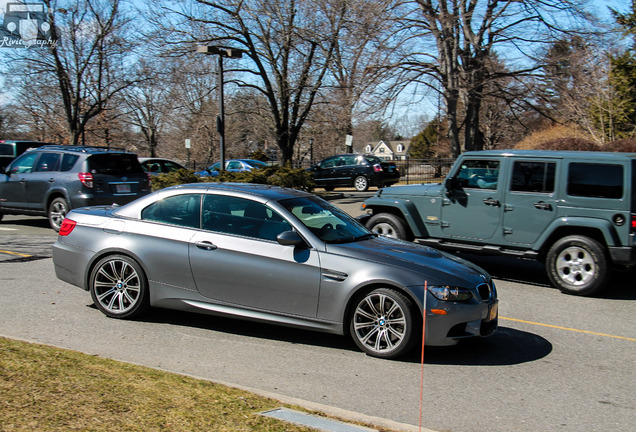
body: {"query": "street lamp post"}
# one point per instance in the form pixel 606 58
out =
pixel 220 119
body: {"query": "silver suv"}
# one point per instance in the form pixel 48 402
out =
pixel 51 180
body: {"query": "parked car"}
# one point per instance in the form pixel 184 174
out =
pixel 274 255
pixel 11 149
pixel 359 171
pixel 51 180
pixel 575 211
pixel 154 166
pixel 232 165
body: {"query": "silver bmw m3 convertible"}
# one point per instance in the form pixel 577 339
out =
pixel 276 255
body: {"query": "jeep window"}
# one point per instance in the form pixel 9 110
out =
pixel 6 150
pixel 114 164
pixel 537 177
pixel 479 174
pixel 595 180
pixel 48 162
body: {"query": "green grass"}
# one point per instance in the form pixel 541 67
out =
pixel 48 389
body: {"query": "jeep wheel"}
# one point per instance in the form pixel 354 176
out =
pixel 57 212
pixel 389 225
pixel 361 183
pixel 578 265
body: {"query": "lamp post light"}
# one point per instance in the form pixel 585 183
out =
pixel 220 119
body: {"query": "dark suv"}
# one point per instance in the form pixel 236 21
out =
pixel 51 180
pixel 359 171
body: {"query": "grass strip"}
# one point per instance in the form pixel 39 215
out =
pixel 50 389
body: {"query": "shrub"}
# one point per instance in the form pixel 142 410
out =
pixel 284 176
pixel 570 143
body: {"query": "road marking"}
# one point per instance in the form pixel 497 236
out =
pixel 8 229
pixel 15 253
pixel 569 329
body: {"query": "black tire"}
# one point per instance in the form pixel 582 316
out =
pixel 389 225
pixel 578 265
pixel 383 324
pixel 1 215
pixel 119 287
pixel 361 183
pixel 57 212
pixel 329 188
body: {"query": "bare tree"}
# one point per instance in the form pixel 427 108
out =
pixel 87 62
pixel 288 47
pixel 466 33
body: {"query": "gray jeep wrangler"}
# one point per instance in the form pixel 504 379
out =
pixel 573 210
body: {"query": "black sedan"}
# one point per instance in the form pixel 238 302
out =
pixel 359 171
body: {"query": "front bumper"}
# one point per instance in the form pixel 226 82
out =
pixel 461 321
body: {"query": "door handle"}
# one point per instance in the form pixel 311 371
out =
pixel 543 205
pixel 492 202
pixel 205 245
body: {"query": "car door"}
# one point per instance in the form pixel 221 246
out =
pixel 530 204
pixel 236 260
pixel 472 208
pixel 13 186
pixel 41 179
pixel 324 172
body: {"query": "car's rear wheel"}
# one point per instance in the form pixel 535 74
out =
pixel 119 287
pixel 361 183
pixel 578 265
pixel 383 323
pixel 389 225
pixel 57 212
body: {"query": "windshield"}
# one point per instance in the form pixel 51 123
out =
pixel 329 223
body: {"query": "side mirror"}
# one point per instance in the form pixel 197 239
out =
pixel 290 238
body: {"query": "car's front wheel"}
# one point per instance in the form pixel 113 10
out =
pixel 383 323
pixel 578 265
pixel 389 225
pixel 119 287
pixel 57 212
pixel 361 183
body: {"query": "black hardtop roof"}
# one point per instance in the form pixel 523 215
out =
pixel 85 149
pixel 269 192
pixel 556 154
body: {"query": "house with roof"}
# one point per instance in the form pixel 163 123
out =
pixel 388 150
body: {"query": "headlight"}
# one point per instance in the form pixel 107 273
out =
pixel 450 293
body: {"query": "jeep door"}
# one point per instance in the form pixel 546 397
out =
pixel 530 204
pixel 472 207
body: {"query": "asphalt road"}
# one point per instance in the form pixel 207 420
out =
pixel 557 362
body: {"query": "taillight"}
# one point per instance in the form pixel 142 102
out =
pixel 86 179
pixel 67 226
pixel 377 168
pixel 633 222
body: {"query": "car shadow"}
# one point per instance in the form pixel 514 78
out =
pixel 530 272
pixel 506 347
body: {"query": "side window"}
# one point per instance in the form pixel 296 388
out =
pixel 329 163
pixel 182 210
pixel 68 161
pixel 48 162
pixel 234 165
pixel 24 164
pixel 243 217
pixel 595 180
pixel 537 177
pixel 349 160
pixel 479 174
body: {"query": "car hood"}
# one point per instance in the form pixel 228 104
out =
pixel 435 266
